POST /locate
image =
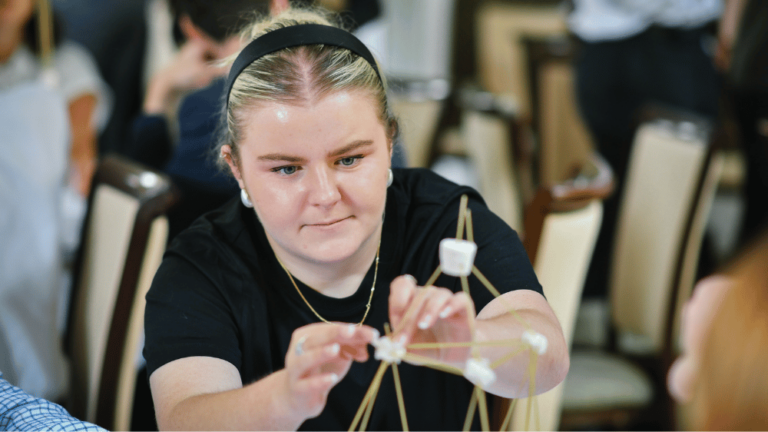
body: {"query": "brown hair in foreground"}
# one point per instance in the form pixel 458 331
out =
pixel 731 391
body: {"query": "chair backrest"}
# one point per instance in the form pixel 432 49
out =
pixel 488 141
pixel 419 39
pixel 562 224
pixel 418 121
pixel 501 26
pixel 671 155
pixel 123 241
pixel 690 255
pixel 565 144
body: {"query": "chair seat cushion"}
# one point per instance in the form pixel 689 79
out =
pixel 599 380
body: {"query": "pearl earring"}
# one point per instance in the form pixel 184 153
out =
pixel 390 178
pixel 245 198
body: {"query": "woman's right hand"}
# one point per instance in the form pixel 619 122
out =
pixel 318 357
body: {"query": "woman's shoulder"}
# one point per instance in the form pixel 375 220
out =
pixel 423 187
pixel 428 204
pixel 218 238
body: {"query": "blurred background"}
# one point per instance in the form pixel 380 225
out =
pixel 626 141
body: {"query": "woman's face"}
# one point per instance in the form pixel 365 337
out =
pixel 316 174
pixel 698 314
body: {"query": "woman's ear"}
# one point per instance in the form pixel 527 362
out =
pixel 226 153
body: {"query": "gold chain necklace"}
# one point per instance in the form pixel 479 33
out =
pixel 370 298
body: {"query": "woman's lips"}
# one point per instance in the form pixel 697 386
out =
pixel 328 223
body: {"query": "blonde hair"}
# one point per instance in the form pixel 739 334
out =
pixel 299 75
pixel 731 387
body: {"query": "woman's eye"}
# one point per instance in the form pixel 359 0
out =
pixel 349 161
pixel 286 170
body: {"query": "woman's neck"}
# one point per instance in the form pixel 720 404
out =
pixel 340 279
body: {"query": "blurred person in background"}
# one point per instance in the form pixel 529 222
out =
pixel 52 103
pixel 176 129
pixel 742 54
pixel 722 373
pixel 634 52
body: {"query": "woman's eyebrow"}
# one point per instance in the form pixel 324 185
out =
pixel 349 147
pixel 279 157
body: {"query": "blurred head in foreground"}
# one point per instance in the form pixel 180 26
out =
pixel 723 372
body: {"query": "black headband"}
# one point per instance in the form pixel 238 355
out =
pixel 298 35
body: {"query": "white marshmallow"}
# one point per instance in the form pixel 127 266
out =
pixel 537 341
pixel 479 372
pixel 457 257
pixel 387 350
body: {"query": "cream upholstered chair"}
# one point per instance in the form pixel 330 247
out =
pixel 417 63
pixel 487 131
pixel 501 60
pixel 564 141
pixel 561 227
pixel 670 185
pixel 124 239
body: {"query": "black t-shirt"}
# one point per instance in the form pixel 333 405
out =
pixel 221 293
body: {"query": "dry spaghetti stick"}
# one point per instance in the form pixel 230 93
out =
pixel 411 310
pixel 398 389
pixel 470 412
pixel 434 276
pixel 400 401
pixel 45 31
pixel 508 417
pixel 371 402
pixel 462 214
pixel 470 314
pixel 368 394
pixel 496 294
pixel 507 357
pixel 483 408
pixel 427 345
pixel 536 415
pixel 434 364
pixel 531 388
pixel 470 233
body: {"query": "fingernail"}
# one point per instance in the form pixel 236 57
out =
pixel 445 312
pixel 412 279
pixel 351 330
pixel 333 349
pixel 401 340
pixel 376 334
pixel 332 378
pixel 425 322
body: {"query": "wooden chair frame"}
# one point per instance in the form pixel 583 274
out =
pixel 155 198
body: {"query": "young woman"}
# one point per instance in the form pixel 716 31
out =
pixel 260 309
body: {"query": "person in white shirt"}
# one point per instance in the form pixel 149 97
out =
pixel 635 52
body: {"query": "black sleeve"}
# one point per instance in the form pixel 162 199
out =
pixel 150 141
pixel 501 257
pixel 187 316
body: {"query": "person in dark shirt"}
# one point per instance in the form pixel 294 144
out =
pixel 185 97
pixel 261 314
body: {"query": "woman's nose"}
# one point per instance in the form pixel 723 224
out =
pixel 324 191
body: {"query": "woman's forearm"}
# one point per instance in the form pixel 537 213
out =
pixel 261 405
pixel 513 372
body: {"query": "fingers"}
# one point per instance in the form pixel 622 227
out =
pixel 401 292
pixel 303 364
pixel 459 307
pixel 415 309
pixel 351 341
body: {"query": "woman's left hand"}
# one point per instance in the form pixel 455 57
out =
pixel 431 315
